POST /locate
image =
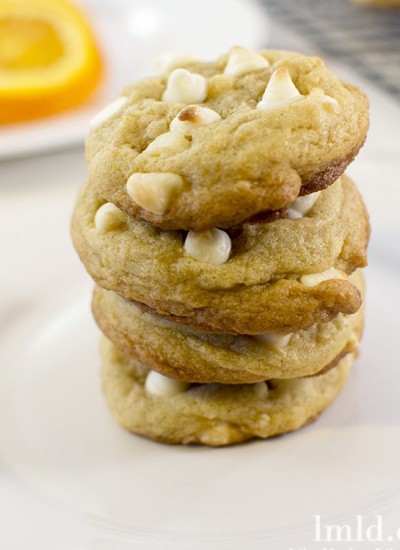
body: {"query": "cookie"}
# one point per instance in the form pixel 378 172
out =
pixel 213 144
pixel 177 351
pixel 212 414
pixel 281 276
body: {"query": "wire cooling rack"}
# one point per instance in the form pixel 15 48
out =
pixel 365 38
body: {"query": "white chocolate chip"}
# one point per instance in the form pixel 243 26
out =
pixel 217 435
pixel 168 61
pixel 185 87
pixel 153 191
pixel 302 205
pixel 280 91
pixel 313 279
pixel 109 111
pixel 108 217
pixel 305 203
pixel 161 385
pixel 261 390
pixel 242 61
pixel 294 214
pixel 212 246
pixel 192 116
pixel 328 99
pixel 169 139
pixel 320 96
pixel 275 340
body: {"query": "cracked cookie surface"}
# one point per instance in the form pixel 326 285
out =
pixel 177 351
pixel 265 284
pixel 214 414
pixel 238 151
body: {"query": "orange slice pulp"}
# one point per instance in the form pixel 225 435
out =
pixel 49 60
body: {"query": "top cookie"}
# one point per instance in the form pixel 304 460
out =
pixel 213 144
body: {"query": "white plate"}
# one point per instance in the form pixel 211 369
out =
pixel 132 34
pixel 70 478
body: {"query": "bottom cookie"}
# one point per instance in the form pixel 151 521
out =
pixel 215 414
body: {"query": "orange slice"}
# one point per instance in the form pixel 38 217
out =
pixel 49 60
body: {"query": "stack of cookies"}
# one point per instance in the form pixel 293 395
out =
pixel 226 244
